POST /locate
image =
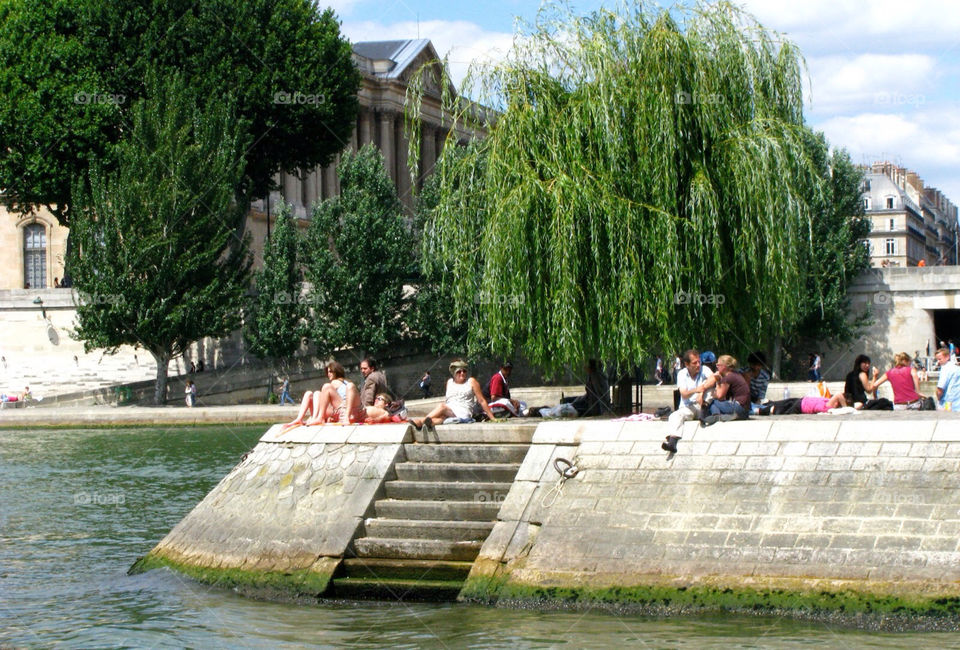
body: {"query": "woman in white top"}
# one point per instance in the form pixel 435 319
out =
pixel 337 401
pixel 463 394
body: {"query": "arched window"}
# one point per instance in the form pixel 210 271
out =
pixel 35 256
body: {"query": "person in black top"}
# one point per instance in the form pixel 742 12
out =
pixel 861 383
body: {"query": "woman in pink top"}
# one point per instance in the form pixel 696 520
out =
pixel 905 382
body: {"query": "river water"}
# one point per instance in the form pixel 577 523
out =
pixel 79 506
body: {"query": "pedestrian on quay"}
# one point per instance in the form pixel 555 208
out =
pixel 190 393
pixel 285 392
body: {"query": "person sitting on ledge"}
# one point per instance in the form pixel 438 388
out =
pixel 378 412
pixel 732 396
pixel 806 405
pixel 463 395
pixel 860 387
pixel 905 382
pixel 337 401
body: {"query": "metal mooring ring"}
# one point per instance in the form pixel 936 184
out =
pixel 565 468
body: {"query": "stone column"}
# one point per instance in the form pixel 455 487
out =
pixel 365 131
pixel 388 144
pixel 330 180
pixel 428 151
pixel 311 182
pixel 403 173
pixel 291 190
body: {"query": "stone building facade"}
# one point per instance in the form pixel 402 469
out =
pixel 388 67
pixel 910 222
pixel 34 245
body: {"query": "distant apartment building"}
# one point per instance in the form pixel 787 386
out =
pixel 911 224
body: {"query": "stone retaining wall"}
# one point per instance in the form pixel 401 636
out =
pixel 803 513
pixel 282 519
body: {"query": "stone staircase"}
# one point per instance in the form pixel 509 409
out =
pixel 434 516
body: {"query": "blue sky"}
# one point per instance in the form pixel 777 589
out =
pixel 884 75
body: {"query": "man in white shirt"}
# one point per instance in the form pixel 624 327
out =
pixel 692 381
pixel 948 384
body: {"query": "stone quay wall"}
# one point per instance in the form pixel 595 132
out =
pixel 282 519
pixel 801 513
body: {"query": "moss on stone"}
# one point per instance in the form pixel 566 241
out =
pixel 709 598
pixel 301 583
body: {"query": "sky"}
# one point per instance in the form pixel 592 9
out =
pixel 883 75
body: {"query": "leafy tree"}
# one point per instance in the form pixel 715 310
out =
pixel 275 323
pixel 358 256
pixel 71 70
pixel 157 260
pixel 432 315
pixel 839 256
pixel 646 186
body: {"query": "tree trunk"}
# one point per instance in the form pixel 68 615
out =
pixel 775 357
pixel 160 388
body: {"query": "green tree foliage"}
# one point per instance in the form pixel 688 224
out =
pixel 275 323
pixel 433 316
pixel 70 71
pixel 358 256
pixel 839 254
pixel 646 186
pixel 157 260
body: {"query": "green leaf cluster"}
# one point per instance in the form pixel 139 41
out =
pixel 157 258
pixel 357 255
pixel 647 184
pixel 275 323
pixel 71 70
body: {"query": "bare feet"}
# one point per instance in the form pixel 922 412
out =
pixel 287 427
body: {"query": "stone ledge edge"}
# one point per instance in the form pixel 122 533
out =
pixel 863 604
pixel 284 586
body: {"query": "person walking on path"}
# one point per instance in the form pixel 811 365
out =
pixel 285 392
pixel 190 393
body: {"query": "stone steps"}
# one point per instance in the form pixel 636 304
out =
pixel 434 517
pixel 466 453
pixel 448 491
pixel 426 529
pixel 391 569
pixel 424 510
pixel 401 548
pixel 458 472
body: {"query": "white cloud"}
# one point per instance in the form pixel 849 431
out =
pixel 927 142
pixel 854 25
pixel 841 84
pixel 464 42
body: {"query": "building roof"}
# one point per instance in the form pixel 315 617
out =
pixel 390 59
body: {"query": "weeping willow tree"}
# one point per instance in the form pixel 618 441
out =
pixel 644 185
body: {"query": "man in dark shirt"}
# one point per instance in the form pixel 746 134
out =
pixel 732 397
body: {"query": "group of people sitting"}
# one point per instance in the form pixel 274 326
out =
pixel 340 401
pixel 725 394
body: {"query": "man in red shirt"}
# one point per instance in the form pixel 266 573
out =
pixel 499 386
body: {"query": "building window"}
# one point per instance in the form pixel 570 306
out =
pixel 890 246
pixel 35 256
pixel 889 203
pixel 866 203
pixel 893 224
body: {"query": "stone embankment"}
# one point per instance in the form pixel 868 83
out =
pixel 815 515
